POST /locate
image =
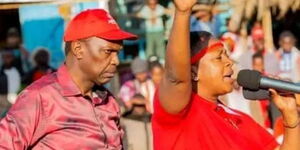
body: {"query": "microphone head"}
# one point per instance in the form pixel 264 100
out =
pixel 260 94
pixel 249 79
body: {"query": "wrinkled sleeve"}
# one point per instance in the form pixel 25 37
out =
pixel 18 127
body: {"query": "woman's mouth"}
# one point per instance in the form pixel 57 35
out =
pixel 228 77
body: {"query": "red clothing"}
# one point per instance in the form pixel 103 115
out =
pixel 52 114
pixel 204 125
pixel 278 127
pixel 264 104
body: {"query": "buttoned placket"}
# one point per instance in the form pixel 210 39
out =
pixel 99 122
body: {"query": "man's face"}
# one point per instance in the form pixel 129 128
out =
pixel 258 64
pixel 287 43
pixel 99 59
pixel 13 41
pixel 259 44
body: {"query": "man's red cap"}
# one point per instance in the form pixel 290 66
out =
pixel 98 23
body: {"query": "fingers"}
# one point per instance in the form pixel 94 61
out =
pixel 274 93
pixel 297 96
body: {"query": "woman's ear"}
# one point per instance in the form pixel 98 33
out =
pixel 195 73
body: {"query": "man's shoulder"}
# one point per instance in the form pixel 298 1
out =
pixel 44 83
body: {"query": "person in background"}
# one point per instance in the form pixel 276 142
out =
pixel 140 85
pixel 41 62
pixel 289 57
pixel 202 19
pixel 156 74
pixel 137 126
pixel 14 44
pixel 258 62
pixel 152 12
pixel 13 75
pixel 271 64
pixel 263 109
pixel 169 22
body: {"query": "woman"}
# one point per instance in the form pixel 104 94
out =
pixel 188 115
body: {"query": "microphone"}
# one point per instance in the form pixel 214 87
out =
pixel 253 81
pixel 260 94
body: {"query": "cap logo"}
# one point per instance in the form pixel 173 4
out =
pixel 111 19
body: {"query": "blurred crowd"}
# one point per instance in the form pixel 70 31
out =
pixel 19 68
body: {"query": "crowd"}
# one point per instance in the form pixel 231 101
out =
pixel 153 21
pixel 19 68
pixel 136 95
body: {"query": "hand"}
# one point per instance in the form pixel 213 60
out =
pixel 288 106
pixel 184 5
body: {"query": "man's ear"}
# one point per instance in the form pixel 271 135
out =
pixel 76 49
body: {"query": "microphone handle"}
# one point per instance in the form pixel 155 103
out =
pixel 281 85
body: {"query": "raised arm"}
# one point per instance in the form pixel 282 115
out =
pixel 176 87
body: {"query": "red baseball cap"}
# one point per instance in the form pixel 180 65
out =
pixel 98 23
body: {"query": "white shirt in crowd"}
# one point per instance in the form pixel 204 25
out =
pixel 14 83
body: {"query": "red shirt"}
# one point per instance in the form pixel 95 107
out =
pixel 52 114
pixel 204 125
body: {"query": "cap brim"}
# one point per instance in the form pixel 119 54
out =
pixel 118 35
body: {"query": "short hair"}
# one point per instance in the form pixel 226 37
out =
pixel 285 34
pixel 67 47
pixel 41 53
pixel 257 55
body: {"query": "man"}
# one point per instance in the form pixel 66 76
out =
pixel 41 66
pixel 270 62
pixel 10 81
pixel 12 74
pixel 289 57
pixel 70 109
pixel 152 12
pixel 15 45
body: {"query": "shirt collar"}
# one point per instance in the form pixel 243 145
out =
pixel 220 109
pixel 69 88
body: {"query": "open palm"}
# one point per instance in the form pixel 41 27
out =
pixel 184 5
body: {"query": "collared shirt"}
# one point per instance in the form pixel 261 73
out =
pixel 53 114
pixel 204 125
